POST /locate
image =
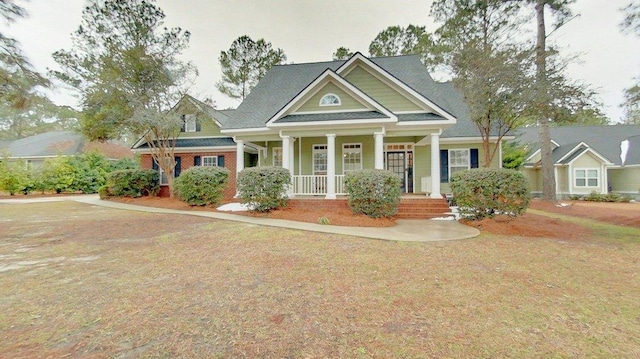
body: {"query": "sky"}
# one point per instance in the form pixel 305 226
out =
pixel 311 30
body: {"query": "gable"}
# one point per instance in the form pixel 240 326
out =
pixel 347 102
pixel 381 92
pixel 207 124
pixel 587 159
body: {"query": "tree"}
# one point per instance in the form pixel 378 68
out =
pixel 342 53
pixel 245 63
pixel 19 82
pixel 631 24
pixel 475 44
pixel 125 66
pixel 396 40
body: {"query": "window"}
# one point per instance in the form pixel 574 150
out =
pixel 319 159
pixel 277 156
pixel 189 123
pixel 586 178
pixel 210 161
pixel 351 157
pixel 458 161
pixel 330 99
pixel 163 177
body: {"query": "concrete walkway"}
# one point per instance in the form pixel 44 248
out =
pixel 406 230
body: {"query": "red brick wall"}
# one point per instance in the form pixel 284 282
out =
pixel 186 161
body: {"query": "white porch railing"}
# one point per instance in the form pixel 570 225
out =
pixel 311 185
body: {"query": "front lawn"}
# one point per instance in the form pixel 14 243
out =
pixel 84 281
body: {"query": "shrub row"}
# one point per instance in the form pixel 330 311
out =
pixel 131 183
pixel 598 197
pixel 484 192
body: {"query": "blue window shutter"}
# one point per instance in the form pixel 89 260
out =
pixel 196 160
pixel 154 165
pixel 474 158
pixel 220 161
pixel 198 126
pixel 176 171
pixel 444 166
pixel 184 123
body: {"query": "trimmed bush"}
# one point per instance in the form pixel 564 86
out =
pixel 15 178
pixel 609 197
pixel 484 192
pixel 200 186
pixel 133 183
pixel 264 188
pixel 375 193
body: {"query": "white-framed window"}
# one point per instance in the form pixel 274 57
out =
pixel 330 99
pixel 319 159
pixel 459 160
pixel 351 157
pixel 209 161
pixel 190 123
pixel 276 153
pixel 587 177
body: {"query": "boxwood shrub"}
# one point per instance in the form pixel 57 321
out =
pixel 132 183
pixel 484 192
pixel 375 193
pixel 264 188
pixel 200 186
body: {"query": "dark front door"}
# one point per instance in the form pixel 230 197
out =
pixel 401 163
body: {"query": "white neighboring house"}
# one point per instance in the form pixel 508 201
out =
pixel 586 159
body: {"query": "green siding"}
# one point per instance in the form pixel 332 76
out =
pixel 208 126
pixel 347 102
pixel 625 180
pixel 380 92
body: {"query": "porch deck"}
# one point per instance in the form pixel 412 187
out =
pixel 411 206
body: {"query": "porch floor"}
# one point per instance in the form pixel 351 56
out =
pixel 410 207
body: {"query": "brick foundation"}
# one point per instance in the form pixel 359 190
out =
pixel 409 208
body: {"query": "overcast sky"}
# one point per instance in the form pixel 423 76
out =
pixel 311 30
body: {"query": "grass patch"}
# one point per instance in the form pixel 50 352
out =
pixel 132 284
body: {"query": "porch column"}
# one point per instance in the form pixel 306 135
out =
pixel 239 161
pixel 435 165
pixel 331 166
pixel 379 150
pixel 286 161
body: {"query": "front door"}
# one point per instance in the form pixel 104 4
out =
pixel 401 163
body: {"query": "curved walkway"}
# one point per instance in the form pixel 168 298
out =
pixel 406 230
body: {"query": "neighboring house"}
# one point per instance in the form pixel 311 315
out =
pixel 34 150
pixel 586 159
pixel 322 120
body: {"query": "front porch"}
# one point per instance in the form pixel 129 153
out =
pixel 410 207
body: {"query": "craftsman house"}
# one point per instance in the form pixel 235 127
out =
pixel 586 159
pixel 322 120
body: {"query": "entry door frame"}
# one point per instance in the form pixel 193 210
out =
pixel 409 162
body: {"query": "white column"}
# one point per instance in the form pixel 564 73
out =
pixel 435 166
pixel 379 150
pixel 286 161
pixel 331 166
pixel 292 156
pixel 239 155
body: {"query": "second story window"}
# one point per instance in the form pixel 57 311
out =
pixel 189 123
pixel 330 99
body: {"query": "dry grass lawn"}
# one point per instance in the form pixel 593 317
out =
pixel 79 281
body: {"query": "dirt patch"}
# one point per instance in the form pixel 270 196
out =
pixel 622 214
pixel 530 225
pixel 336 218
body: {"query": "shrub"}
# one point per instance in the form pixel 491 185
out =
pixel 264 188
pixel 375 193
pixel 609 197
pixel 133 183
pixel 15 178
pixel 199 186
pixel 57 175
pixel 484 192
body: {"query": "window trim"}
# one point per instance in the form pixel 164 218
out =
pixel 329 95
pixel 344 171
pixel 215 161
pixel 586 177
pixel 316 149
pixel 467 150
pixel 273 156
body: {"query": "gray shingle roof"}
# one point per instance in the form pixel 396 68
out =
pixel 47 144
pixel 603 139
pixel 312 117
pixel 200 142
pixel 408 117
pixel 282 83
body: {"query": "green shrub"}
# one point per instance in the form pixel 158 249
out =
pixel 376 193
pixel 125 164
pixel 264 188
pixel 484 192
pixel 199 186
pixel 609 197
pixel 57 174
pixel 133 183
pixel 15 178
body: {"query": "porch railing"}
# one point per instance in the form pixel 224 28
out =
pixel 311 185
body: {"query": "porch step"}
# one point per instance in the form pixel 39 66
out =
pixel 417 207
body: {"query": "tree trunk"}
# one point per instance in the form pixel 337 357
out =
pixel 548 175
